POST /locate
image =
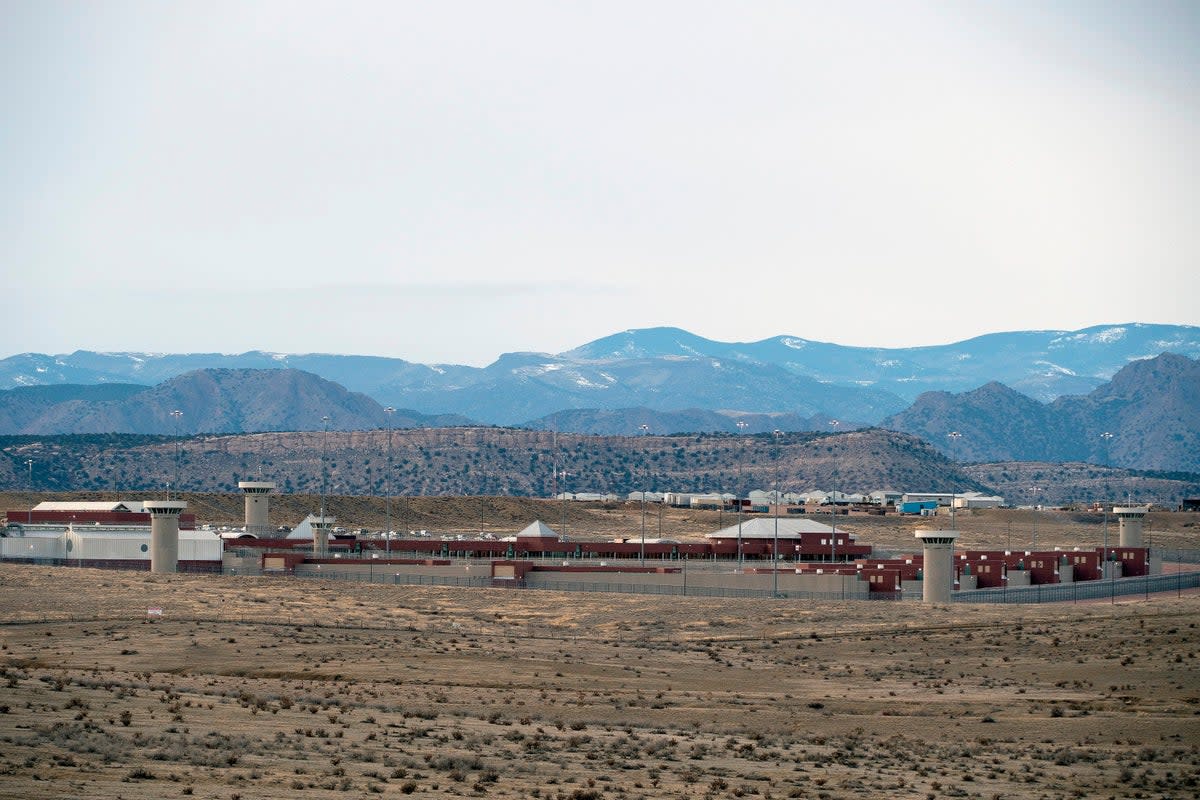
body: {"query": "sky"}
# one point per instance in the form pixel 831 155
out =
pixel 445 182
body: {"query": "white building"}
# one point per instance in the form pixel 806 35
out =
pixel 106 543
pixel 978 500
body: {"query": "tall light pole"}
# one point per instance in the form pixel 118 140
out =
pixel 177 414
pixel 954 437
pixel 1035 490
pixel 833 535
pixel 833 511
pixel 562 500
pixel 29 463
pixel 1104 555
pixel 775 544
pixel 742 425
pixel 1107 437
pixel 645 469
pixel 324 472
pixel 387 486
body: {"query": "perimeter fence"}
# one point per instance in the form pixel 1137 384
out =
pixel 670 590
pixel 1085 591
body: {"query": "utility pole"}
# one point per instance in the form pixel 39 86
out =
pixel 775 544
pixel 177 414
pixel 742 425
pixel 29 463
pixel 645 478
pixel 324 472
pixel 387 486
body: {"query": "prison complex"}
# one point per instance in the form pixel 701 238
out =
pixel 787 555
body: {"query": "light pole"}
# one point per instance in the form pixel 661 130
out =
pixel 645 477
pixel 1107 437
pixel 954 437
pixel 29 463
pixel 742 425
pixel 387 486
pixel 324 472
pixel 562 501
pixel 177 414
pixel 775 543
pixel 833 511
pixel 1104 554
pixel 833 536
pixel 1035 490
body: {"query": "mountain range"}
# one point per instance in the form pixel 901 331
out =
pixel 668 369
pixel 1146 417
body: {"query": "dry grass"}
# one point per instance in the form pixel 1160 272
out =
pixel 281 688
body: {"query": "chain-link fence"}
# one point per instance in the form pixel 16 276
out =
pixel 1044 593
pixel 675 590
pixel 1085 591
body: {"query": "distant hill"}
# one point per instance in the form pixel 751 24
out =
pixel 1151 408
pixel 668 369
pixel 212 401
pixel 27 408
pixel 487 461
pixel 505 461
pixel 629 422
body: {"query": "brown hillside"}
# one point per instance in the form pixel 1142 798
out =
pixel 496 461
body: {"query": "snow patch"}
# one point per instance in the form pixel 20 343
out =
pixel 1106 336
pixel 584 383
pixel 1053 369
pixel 795 344
pixel 537 369
pixel 890 362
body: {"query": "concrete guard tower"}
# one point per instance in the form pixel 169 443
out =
pixel 258 520
pixel 1131 524
pixel 164 534
pixel 938 579
pixel 320 529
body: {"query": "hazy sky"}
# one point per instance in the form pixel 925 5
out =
pixel 446 181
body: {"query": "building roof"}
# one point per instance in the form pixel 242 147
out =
pixel 764 528
pixel 537 530
pixel 134 506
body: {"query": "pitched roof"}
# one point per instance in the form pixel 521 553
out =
pixel 89 505
pixel 537 530
pixel 764 528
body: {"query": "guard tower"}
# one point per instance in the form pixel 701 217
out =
pixel 257 506
pixel 320 529
pixel 164 534
pixel 1131 524
pixel 938 568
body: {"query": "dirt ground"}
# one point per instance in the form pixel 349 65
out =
pixel 273 688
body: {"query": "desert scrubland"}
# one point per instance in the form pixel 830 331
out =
pixel 249 688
